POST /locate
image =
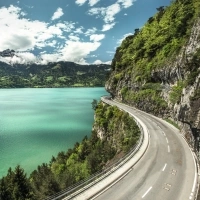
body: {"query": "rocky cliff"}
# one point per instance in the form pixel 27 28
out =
pixel 158 68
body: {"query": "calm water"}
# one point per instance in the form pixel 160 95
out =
pixel 38 123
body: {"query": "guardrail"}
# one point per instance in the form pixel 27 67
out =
pixel 85 184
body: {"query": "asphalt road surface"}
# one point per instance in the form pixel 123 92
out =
pixel 167 171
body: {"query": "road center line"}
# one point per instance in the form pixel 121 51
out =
pixel 163 133
pixel 168 149
pixel 164 167
pixel 167 140
pixel 146 192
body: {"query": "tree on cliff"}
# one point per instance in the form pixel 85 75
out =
pixel 15 186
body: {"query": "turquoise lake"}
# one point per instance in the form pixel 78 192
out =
pixel 38 123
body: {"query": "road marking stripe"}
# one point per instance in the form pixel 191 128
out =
pixel 195 176
pixel 167 140
pixel 163 133
pixel 146 192
pixel 168 149
pixel 164 167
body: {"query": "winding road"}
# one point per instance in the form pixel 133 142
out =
pixel 166 171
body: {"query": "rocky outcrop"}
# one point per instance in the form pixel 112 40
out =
pixel 7 53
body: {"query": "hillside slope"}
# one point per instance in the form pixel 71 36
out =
pixel 60 74
pixel 157 69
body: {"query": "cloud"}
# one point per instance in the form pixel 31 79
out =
pixel 126 3
pixel 107 13
pixel 90 31
pixel 76 51
pixel 124 36
pixel 57 14
pixel 24 35
pixel 21 34
pixel 80 2
pixel 66 26
pixel 46 58
pixel 79 30
pixel 111 11
pixel 74 38
pixel 98 62
pixel 20 58
pixel 93 2
pixel 107 27
pixel 112 52
pixel 97 37
pixel 27 57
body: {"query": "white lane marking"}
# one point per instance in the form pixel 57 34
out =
pixel 167 140
pixel 146 192
pixel 191 196
pixel 168 149
pixel 195 166
pixel 164 167
pixel 163 133
pixel 195 176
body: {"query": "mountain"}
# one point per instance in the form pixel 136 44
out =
pixel 157 69
pixel 7 53
pixel 60 74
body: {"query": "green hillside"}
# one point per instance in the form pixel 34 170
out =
pixel 144 62
pixel 61 74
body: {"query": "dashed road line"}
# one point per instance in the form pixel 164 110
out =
pixel 146 192
pixel 167 140
pixel 168 149
pixel 164 167
pixel 163 133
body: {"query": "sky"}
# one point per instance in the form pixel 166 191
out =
pixel 81 31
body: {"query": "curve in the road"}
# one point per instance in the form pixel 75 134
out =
pixel 166 171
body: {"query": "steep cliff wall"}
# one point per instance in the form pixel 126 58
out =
pixel 158 68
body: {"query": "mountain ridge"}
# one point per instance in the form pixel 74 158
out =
pixel 58 74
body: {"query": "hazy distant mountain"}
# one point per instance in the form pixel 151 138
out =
pixel 7 53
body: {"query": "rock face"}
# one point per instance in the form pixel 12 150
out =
pixel 187 112
pixel 7 53
pixel 181 74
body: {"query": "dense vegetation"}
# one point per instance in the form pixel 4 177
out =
pixel 86 158
pixel 61 74
pixel 138 67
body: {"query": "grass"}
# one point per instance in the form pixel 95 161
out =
pixel 173 123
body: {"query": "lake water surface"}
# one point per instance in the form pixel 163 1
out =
pixel 38 123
